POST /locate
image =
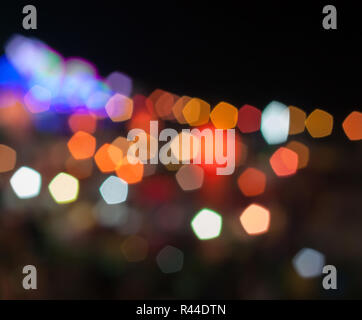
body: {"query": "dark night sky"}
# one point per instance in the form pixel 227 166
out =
pixel 252 52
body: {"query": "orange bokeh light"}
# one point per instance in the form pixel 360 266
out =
pixel 108 158
pixel 255 219
pixel 83 122
pixel 7 158
pixel 129 172
pixel 284 162
pixel 352 126
pixel 224 116
pixel 82 145
pixel 252 182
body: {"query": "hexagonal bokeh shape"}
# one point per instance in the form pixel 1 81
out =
pixel 207 224
pixel 224 116
pixel 308 263
pixel 255 219
pixel 26 183
pixel 170 259
pixel 64 188
pixel 190 177
pixel 114 190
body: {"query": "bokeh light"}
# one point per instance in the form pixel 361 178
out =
pixel 64 188
pixel 297 120
pixel 284 162
pixel 196 112
pixel 37 99
pixel 207 224
pixel 352 126
pixel 275 123
pixel 255 219
pixel 308 263
pixel 190 177
pixel 224 116
pixel 82 145
pixel 301 150
pixel 319 123
pixel 114 190
pixel 108 157
pixel 249 119
pixel 252 182
pixel 119 108
pixel 7 158
pixel 26 183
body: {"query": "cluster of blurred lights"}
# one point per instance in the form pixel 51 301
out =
pixel 47 83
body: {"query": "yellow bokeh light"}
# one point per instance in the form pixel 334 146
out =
pixel 196 112
pixel 224 116
pixel 319 123
pixel 64 188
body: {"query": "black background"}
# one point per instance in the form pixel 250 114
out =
pixel 241 52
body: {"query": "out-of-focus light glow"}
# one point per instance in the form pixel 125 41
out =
pixel 7 158
pixel 319 123
pixel 249 119
pixel 190 177
pixel 302 151
pixel 224 116
pixel 120 83
pixel 119 108
pixel 284 162
pixel 196 112
pixel 135 249
pixel 308 263
pixel 275 123
pixel 163 105
pixel 252 182
pixel 114 190
pixel 129 172
pixel 26 183
pixel 178 107
pixel 352 126
pixel 255 219
pixel 64 188
pixel 83 121
pixel 82 145
pixel 108 158
pixel 207 224
pixel 38 99
pixel 170 259
pixel 296 120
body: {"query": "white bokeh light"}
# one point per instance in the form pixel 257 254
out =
pixel 26 183
pixel 275 123
pixel 207 224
